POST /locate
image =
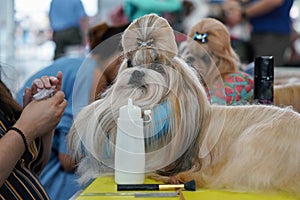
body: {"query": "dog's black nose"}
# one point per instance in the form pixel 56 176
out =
pixel 138 74
pixel 137 78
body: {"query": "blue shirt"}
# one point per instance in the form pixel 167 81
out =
pixel 65 14
pixel 277 21
pixel 77 81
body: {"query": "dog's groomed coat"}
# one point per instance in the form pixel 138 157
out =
pixel 248 148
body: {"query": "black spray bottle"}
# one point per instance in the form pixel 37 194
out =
pixel 264 79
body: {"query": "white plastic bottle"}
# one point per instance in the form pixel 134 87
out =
pixel 130 147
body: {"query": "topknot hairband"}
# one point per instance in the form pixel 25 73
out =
pixel 201 37
pixel 147 43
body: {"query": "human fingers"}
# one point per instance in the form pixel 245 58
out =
pixel 58 97
pixel 60 104
pixel 61 107
pixel 59 77
pixel 27 97
pixel 37 83
pixel 55 81
pixel 46 86
pixel 49 81
pixel 40 83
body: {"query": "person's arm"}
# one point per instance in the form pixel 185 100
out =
pixel 236 13
pixel 38 119
pixel 261 7
pixel 47 145
pixel 43 82
pixel 67 162
pixel 11 149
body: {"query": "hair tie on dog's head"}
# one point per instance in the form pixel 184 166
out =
pixel 201 37
pixel 145 43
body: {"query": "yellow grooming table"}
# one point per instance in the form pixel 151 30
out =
pixel 104 188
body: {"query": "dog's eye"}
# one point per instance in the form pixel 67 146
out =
pixel 158 68
pixel 206 59
pixel 190 59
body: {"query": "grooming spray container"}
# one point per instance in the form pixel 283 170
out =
pixel 130 146
pixel 264 79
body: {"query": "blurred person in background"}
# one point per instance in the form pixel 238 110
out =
pixel 270 26
pixel 69 22
pixel 194 11
pixel 239 31
pixel 26 137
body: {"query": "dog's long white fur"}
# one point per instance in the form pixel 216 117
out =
pixel 249 148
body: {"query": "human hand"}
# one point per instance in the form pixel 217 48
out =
pixel 45 82
pixel 40 117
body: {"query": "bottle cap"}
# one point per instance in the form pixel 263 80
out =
pixel 264 67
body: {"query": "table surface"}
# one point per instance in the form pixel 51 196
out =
pixel 105 188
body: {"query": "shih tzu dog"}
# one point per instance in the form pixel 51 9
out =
pixel 153 77
pixel 208 49
pixel 248 148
